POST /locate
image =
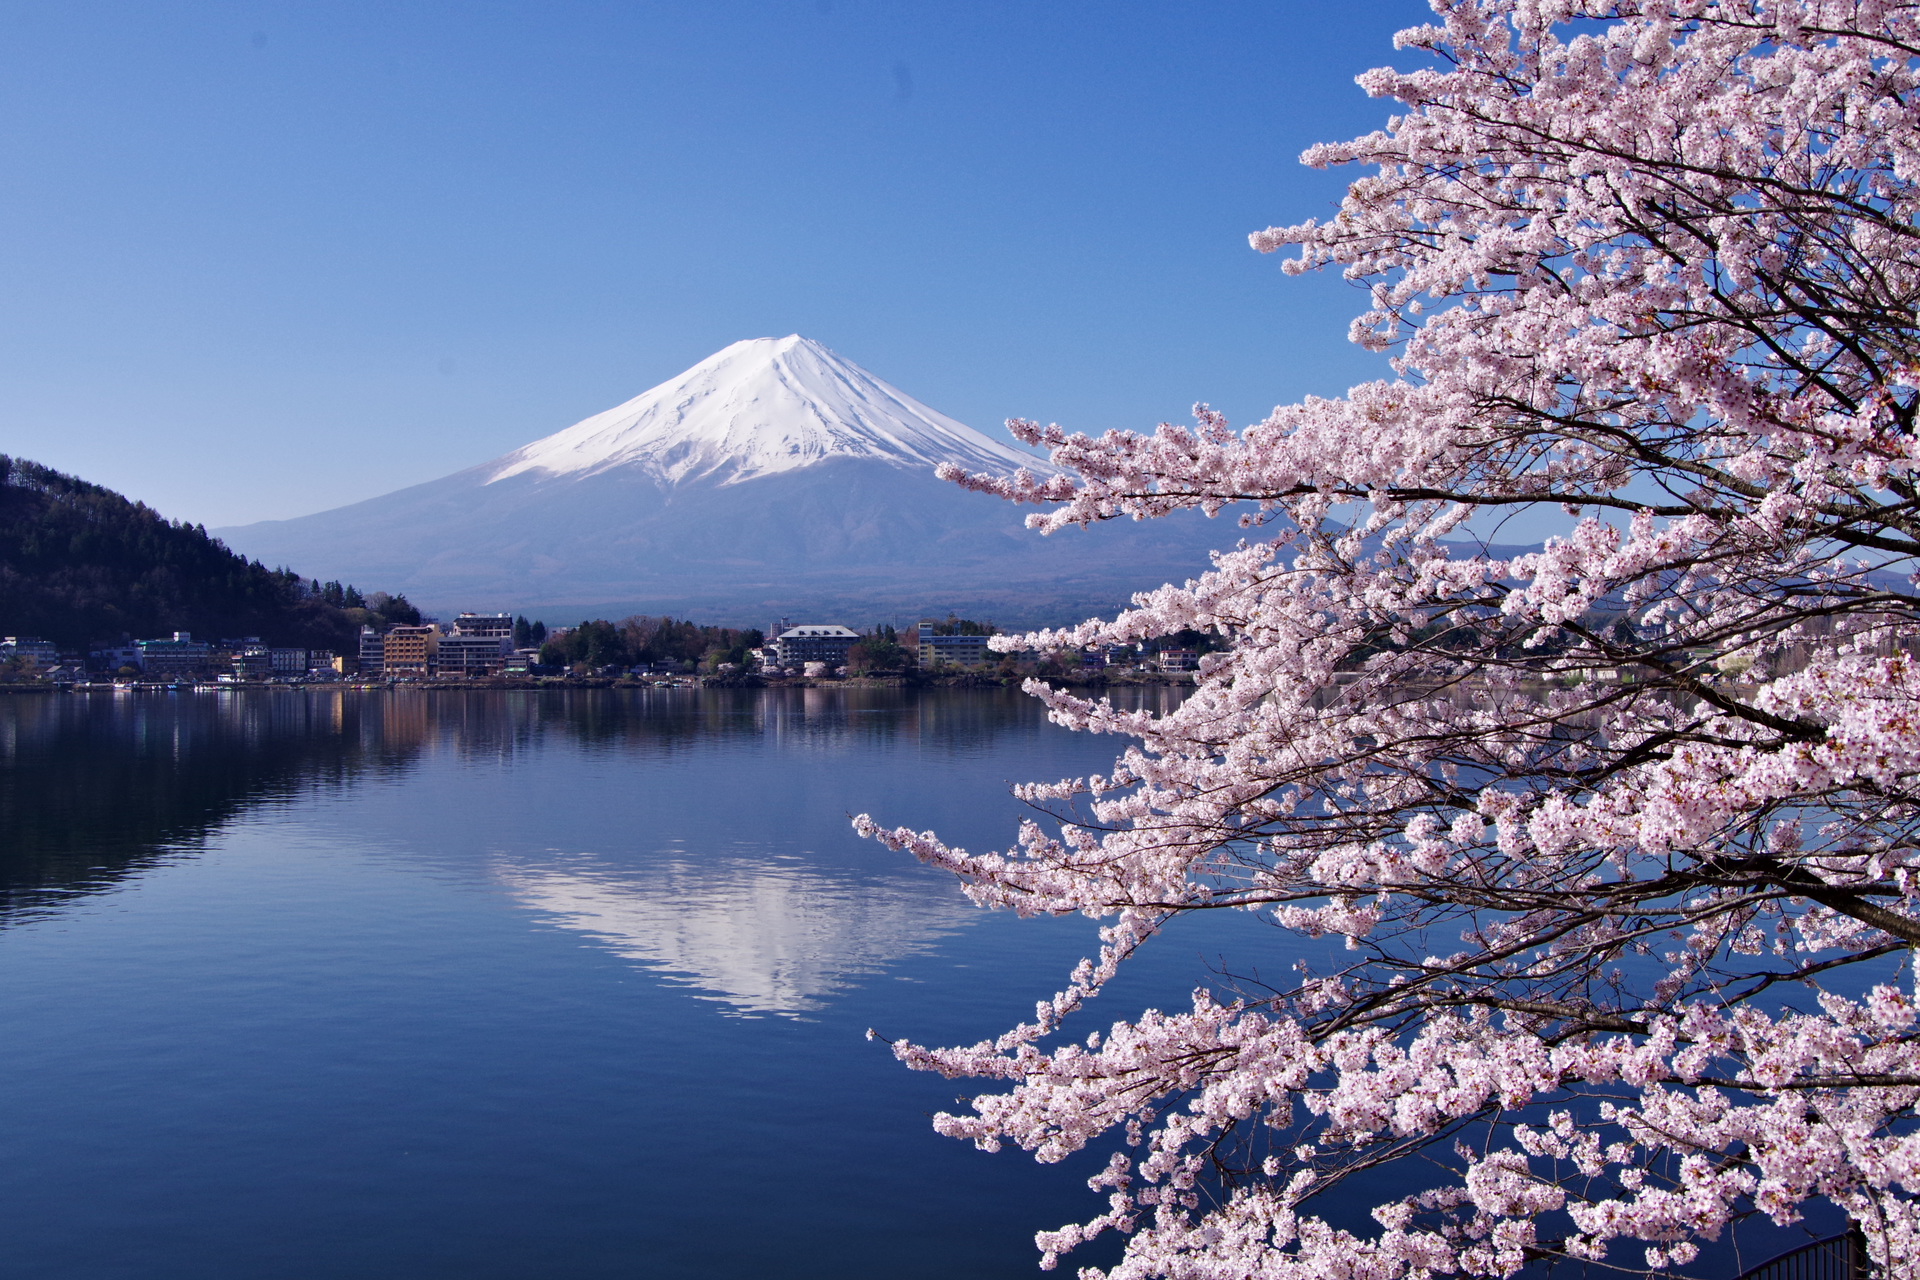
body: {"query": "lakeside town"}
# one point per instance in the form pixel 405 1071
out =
pixel 505 649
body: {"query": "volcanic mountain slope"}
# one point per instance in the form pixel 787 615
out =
pixel 773 476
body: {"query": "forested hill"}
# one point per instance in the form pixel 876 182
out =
pixel 79 563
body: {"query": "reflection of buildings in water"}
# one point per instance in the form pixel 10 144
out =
pixel 406 719
pixel 763 936
pixel 819 721
pixel 93 789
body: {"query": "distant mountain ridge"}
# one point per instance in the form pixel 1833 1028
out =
pixel 773 477
pixel 79 563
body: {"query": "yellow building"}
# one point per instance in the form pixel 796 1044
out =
pixel 409 651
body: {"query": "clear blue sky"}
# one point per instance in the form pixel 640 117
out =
pixel 261 259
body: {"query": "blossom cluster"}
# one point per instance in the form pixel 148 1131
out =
pixel 1619 833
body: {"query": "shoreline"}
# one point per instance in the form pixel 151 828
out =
pixel 963 680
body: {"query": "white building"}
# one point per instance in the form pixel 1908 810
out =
pixel 461 654
pixel 42 653
pixel 497 625
pixel 815 642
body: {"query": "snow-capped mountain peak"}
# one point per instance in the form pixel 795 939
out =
pixel 761 407
pixel 773 477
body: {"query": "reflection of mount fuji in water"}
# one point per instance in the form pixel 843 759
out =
pixel 701 834
pixel 766 936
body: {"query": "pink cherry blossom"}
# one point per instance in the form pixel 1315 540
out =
pixel 1619 833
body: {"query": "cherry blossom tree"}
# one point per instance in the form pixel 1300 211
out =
pixel 1619 833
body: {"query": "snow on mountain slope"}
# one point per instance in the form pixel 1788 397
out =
pixel 773 476
pixel 757 408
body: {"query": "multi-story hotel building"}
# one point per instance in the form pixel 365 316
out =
pixel 42 653
pixel 478 645
pixel 252 661
pixel 464 655
pixel 497 625
pixel 410 650
pixel 814 643
pixel 953 651
pixel 171 659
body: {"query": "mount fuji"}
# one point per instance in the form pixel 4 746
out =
pixel 774 476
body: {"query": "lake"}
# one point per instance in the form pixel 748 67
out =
pixel 519 984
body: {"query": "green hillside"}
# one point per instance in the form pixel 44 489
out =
pixel 79 563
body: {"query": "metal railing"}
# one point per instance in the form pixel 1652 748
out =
pixel 1842 1257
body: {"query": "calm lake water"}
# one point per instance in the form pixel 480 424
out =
pixel 316 984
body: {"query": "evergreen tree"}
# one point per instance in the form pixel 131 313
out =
pixel 80 563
